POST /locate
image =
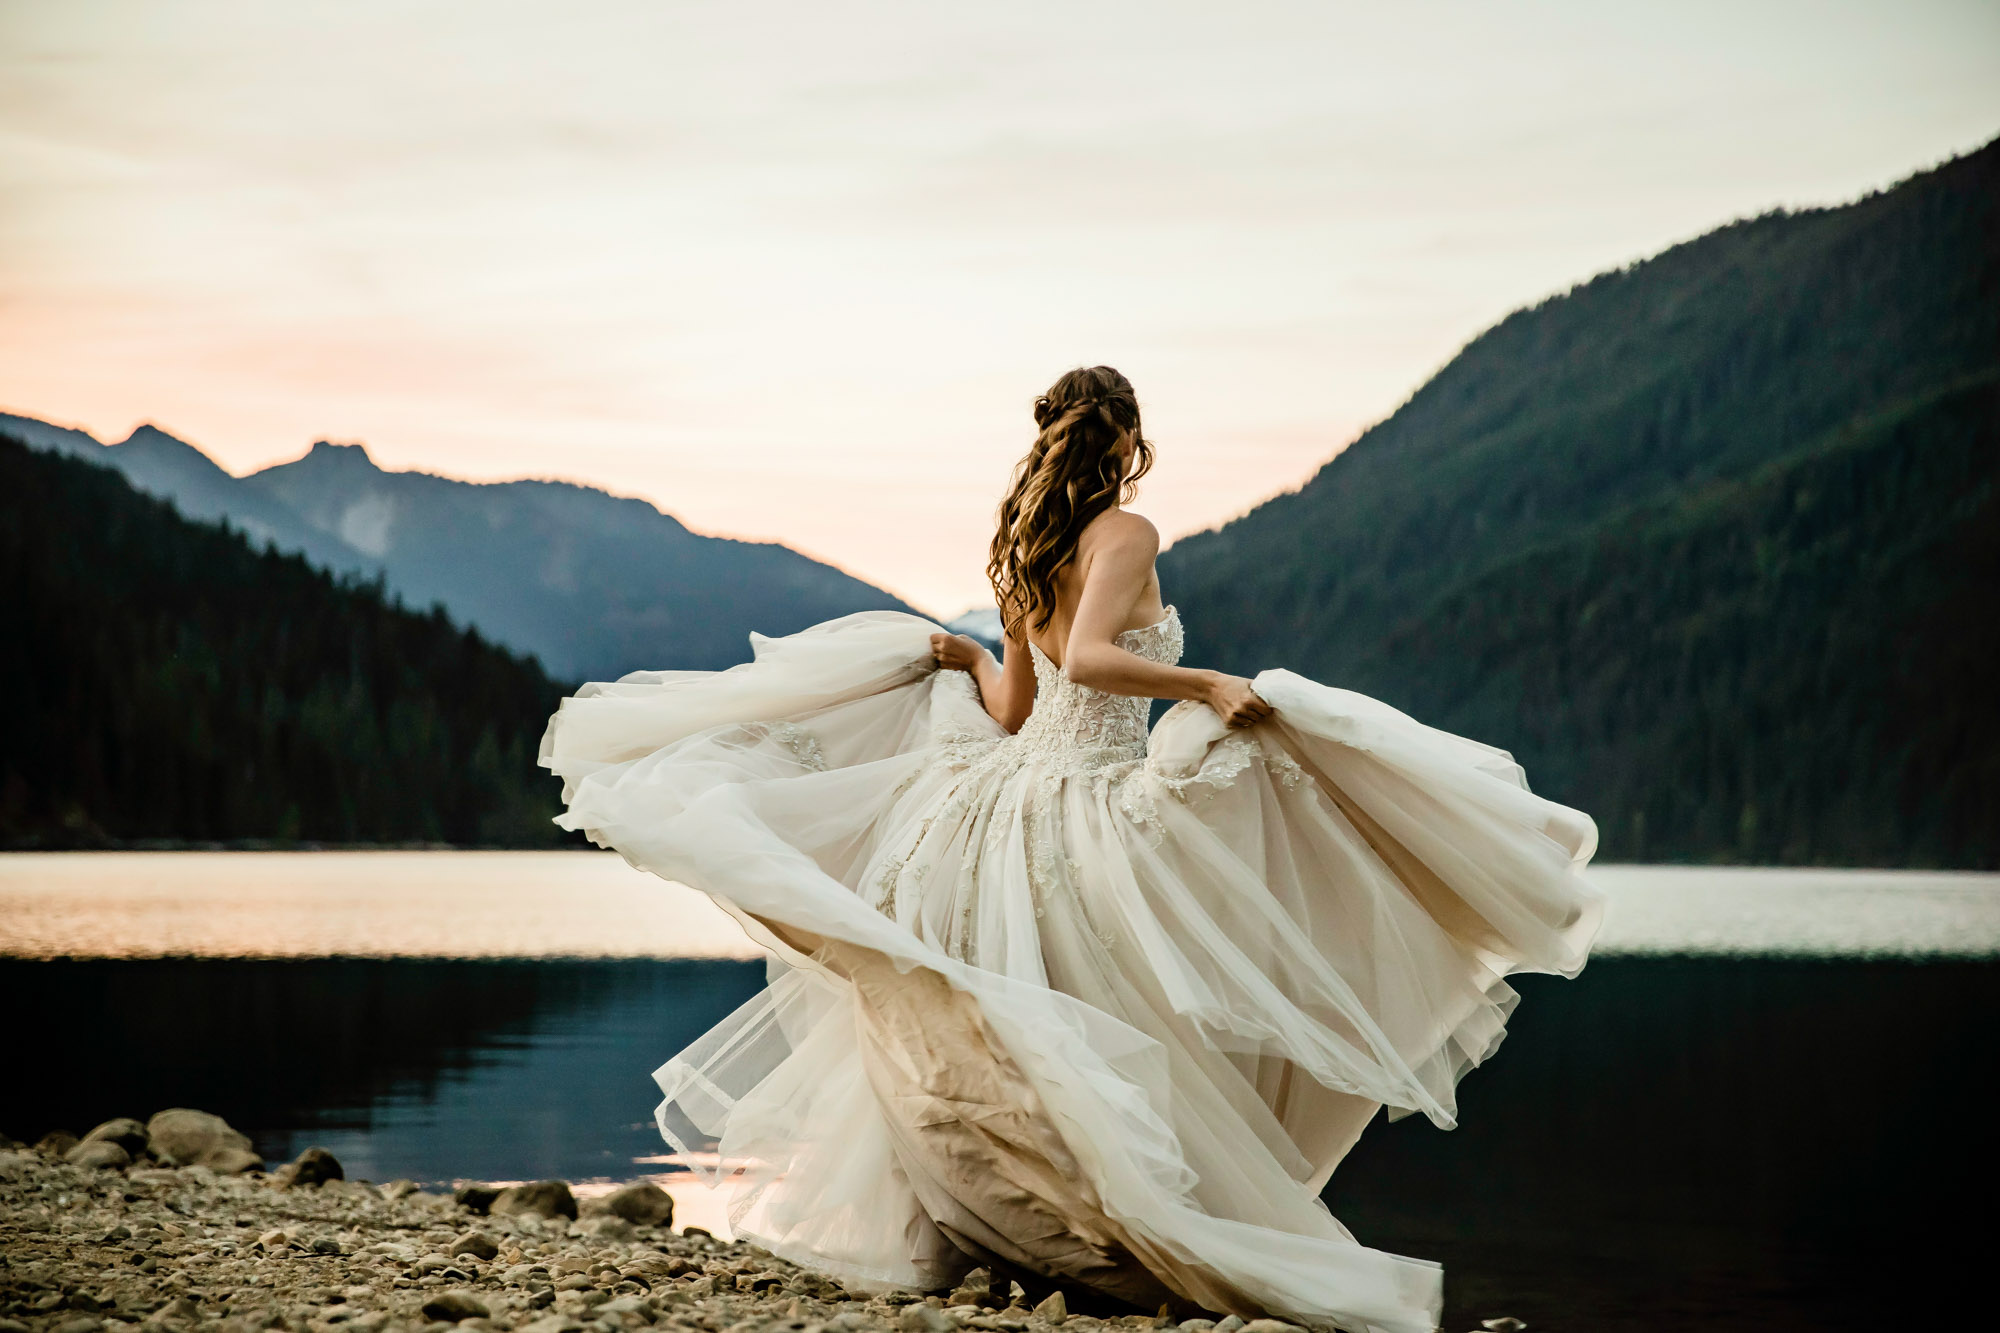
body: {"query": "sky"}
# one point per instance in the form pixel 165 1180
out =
pixel 797 270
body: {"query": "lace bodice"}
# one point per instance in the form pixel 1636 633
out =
pixel 1074 726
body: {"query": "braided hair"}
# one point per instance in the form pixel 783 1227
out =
pixel 1071 474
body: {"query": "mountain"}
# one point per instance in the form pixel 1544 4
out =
pixel 1709 542
pixel 166 680
pixel 981 623
pixel 597 584
pixel 593 584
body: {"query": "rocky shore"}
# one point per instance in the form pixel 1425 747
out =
pixel 174 1226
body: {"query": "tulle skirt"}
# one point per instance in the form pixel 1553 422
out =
pixel 1112 1024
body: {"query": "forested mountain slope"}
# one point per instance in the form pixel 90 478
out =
pixel 593 584
pixel 1708 542
pixel 165 680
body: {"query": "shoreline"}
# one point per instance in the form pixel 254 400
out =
pixel 153 1247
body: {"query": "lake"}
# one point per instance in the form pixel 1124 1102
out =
pixel 1764 1105
pixel 455 904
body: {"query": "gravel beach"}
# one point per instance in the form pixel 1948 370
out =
pixel 173 1226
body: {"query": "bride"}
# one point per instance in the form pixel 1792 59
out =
pixel 1094 1008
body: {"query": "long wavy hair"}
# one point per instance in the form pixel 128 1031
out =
pixel 1071 475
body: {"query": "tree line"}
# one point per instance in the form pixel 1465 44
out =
pixel 169 682
pixel 1708 542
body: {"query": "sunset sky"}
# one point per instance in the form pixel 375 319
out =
pixel 796 270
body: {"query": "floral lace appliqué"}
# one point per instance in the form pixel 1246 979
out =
pixel 1074 728
pixel 805 746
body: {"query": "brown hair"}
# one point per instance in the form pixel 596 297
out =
pixel 1070 476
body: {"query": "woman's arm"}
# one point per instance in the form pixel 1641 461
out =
pixel 1007 692
pixel 1121 569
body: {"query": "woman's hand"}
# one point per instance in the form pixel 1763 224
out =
pixel 957 652
pixel 1236 703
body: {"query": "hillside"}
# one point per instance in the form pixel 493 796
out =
pixel 593 584
pixel 167 681
pixel 1708 542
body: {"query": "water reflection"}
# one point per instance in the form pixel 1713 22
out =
pixel 432 1070
pixel 1739 1144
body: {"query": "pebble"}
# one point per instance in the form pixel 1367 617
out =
pixel 472 1198
pixel 555 1323
pixel 126 1132
pixel 475 1243
pixel 98 1154
pixel 185 1137
pixel 643 1204
pixel 609 1228
pixel 180 1310
pixel 545 1198
pixel 56 1143
pixel 921 1318
pixel 622 1305
pixel 451 1306
pixel 314 1166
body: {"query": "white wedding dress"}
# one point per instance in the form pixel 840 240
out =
pixel 1100 1006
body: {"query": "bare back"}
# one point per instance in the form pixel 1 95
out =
pixel 1131 537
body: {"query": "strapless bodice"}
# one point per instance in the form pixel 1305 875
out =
pixel 1074 726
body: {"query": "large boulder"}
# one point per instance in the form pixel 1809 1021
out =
pixel 181 1137
pixel 233 1161
pixel 126 1132
pixel 314 1166
pixel 545 1198
pixel 644 1204
pixel 475 1198
pixel 101 1153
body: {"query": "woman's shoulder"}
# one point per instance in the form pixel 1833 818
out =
pixel 1121 527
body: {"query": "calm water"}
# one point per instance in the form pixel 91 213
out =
pixel 593 905
pixel 1764 1106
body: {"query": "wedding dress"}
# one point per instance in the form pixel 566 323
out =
pixel 1098 1005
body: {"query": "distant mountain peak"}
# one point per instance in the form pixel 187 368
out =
pixel 147 435
pixel 153 459
pixel 346 455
